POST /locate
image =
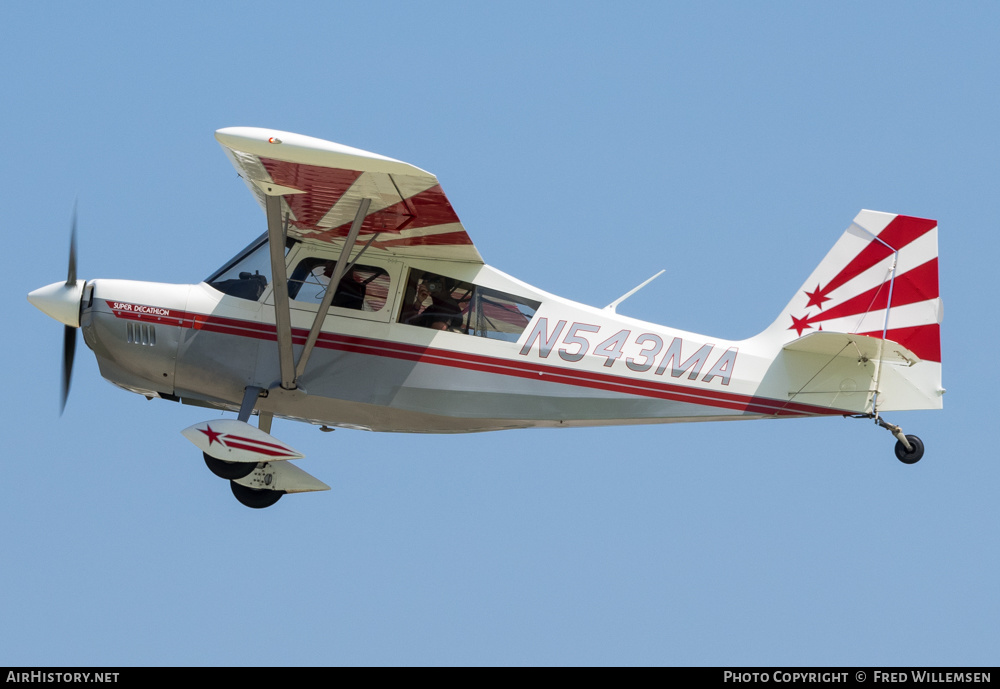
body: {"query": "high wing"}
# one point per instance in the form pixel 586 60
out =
pixel 321 185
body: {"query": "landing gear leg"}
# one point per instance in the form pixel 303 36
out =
pixel 909 448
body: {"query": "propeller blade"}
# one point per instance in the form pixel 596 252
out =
pixel 69 351
pixel 71 271
pixel 69 332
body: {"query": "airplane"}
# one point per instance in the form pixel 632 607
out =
pixel 421 336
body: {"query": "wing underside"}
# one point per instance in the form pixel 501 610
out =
pixel 322 184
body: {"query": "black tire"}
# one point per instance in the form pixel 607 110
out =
pixel 910 456
pixel 228 470
pixel 257 499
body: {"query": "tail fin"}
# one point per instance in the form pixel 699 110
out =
pixel 879 280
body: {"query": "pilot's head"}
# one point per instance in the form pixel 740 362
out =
pixel 434 284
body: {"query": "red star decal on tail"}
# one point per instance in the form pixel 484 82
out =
pixel 816 298
pixel 212 436
pixel 800 324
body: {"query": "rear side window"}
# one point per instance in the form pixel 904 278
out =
pixel 443 303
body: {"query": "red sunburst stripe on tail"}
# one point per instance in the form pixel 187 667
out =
pixel 916 285
pixel 902 230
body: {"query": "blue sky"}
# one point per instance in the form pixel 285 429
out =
pixel 585 147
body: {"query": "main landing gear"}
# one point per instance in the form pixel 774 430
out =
pixel 253 461
pixel 229 470
pixel 251 497
pixel 234 471
pixel 909 448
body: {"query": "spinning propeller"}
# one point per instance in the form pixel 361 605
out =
pixel 61 301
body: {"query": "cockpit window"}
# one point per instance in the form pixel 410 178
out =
pixel 442 303
pixel 363 288
pixel 247 274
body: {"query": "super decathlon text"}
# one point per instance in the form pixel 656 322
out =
pixel 648 350
pixel 67 677
pixel 139 308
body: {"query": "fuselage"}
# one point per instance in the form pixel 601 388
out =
pixel 519 357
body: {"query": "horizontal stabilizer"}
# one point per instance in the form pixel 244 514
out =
pixel 283 476
pixel 861 347
pixel 237 441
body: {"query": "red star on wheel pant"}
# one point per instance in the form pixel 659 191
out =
pixel 212 435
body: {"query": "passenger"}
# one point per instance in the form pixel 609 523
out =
pixel 350 293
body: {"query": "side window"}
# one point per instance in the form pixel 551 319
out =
pixel 363 288
pixel 442 303
pixel 434 301
pixel 500 316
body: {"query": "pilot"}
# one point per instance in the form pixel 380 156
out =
pixel 442 313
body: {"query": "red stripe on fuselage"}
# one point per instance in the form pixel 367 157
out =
pixel 507 367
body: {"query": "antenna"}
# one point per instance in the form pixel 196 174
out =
pixel 614 305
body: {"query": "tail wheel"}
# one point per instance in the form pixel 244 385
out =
pixel 229 470
pixel 257 499
pixel 913 455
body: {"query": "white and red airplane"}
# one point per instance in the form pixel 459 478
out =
pixel 421 336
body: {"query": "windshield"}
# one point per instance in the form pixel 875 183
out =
pixel 247 274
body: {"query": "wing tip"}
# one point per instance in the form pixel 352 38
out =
pixel 309 150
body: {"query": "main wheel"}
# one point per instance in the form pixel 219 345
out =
pixel 257 499
pixel 910 456
pixel 229 470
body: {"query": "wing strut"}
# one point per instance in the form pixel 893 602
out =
pixel 338 272
pixel 276 233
